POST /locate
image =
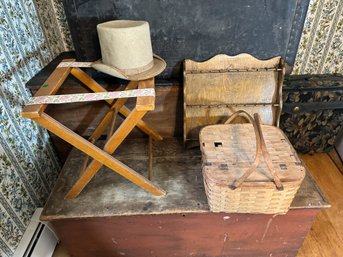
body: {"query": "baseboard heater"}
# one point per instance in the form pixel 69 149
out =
pixel 39 239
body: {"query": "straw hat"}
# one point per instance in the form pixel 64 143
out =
pixel 126 50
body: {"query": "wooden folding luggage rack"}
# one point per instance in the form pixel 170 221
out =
pixel 100 156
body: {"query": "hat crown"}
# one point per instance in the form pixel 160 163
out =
pixel 126 45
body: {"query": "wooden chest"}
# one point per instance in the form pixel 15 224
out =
pixel 114 218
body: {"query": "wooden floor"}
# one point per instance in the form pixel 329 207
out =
pixel 326 236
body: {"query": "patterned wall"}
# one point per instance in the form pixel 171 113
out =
pixel 321 46
pixel 31 34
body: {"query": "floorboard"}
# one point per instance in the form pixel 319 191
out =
pixel 326 236
pixel 336 159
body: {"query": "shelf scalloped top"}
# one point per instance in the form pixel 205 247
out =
pixel 240 61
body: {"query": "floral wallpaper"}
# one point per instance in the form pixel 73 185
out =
pixel 32 33
pixel 321 45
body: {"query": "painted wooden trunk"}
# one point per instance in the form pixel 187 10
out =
pixel 113 217
pixel 181 235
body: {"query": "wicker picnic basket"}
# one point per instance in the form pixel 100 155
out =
pixel 237 179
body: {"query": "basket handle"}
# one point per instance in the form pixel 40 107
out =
pixel 260 149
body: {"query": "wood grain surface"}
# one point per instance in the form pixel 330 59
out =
pixel 216 88
pixel 326 236
pixel 176 170
pixel 180 235
pixel 336 159
pixel 49 87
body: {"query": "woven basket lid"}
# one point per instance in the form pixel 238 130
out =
pixel 229 150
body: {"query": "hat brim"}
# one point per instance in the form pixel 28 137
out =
pixel 159 66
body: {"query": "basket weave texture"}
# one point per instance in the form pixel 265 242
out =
pixel 228 152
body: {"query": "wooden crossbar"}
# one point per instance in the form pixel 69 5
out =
pixel 96 87
pixel 49 87
pixel 100 156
